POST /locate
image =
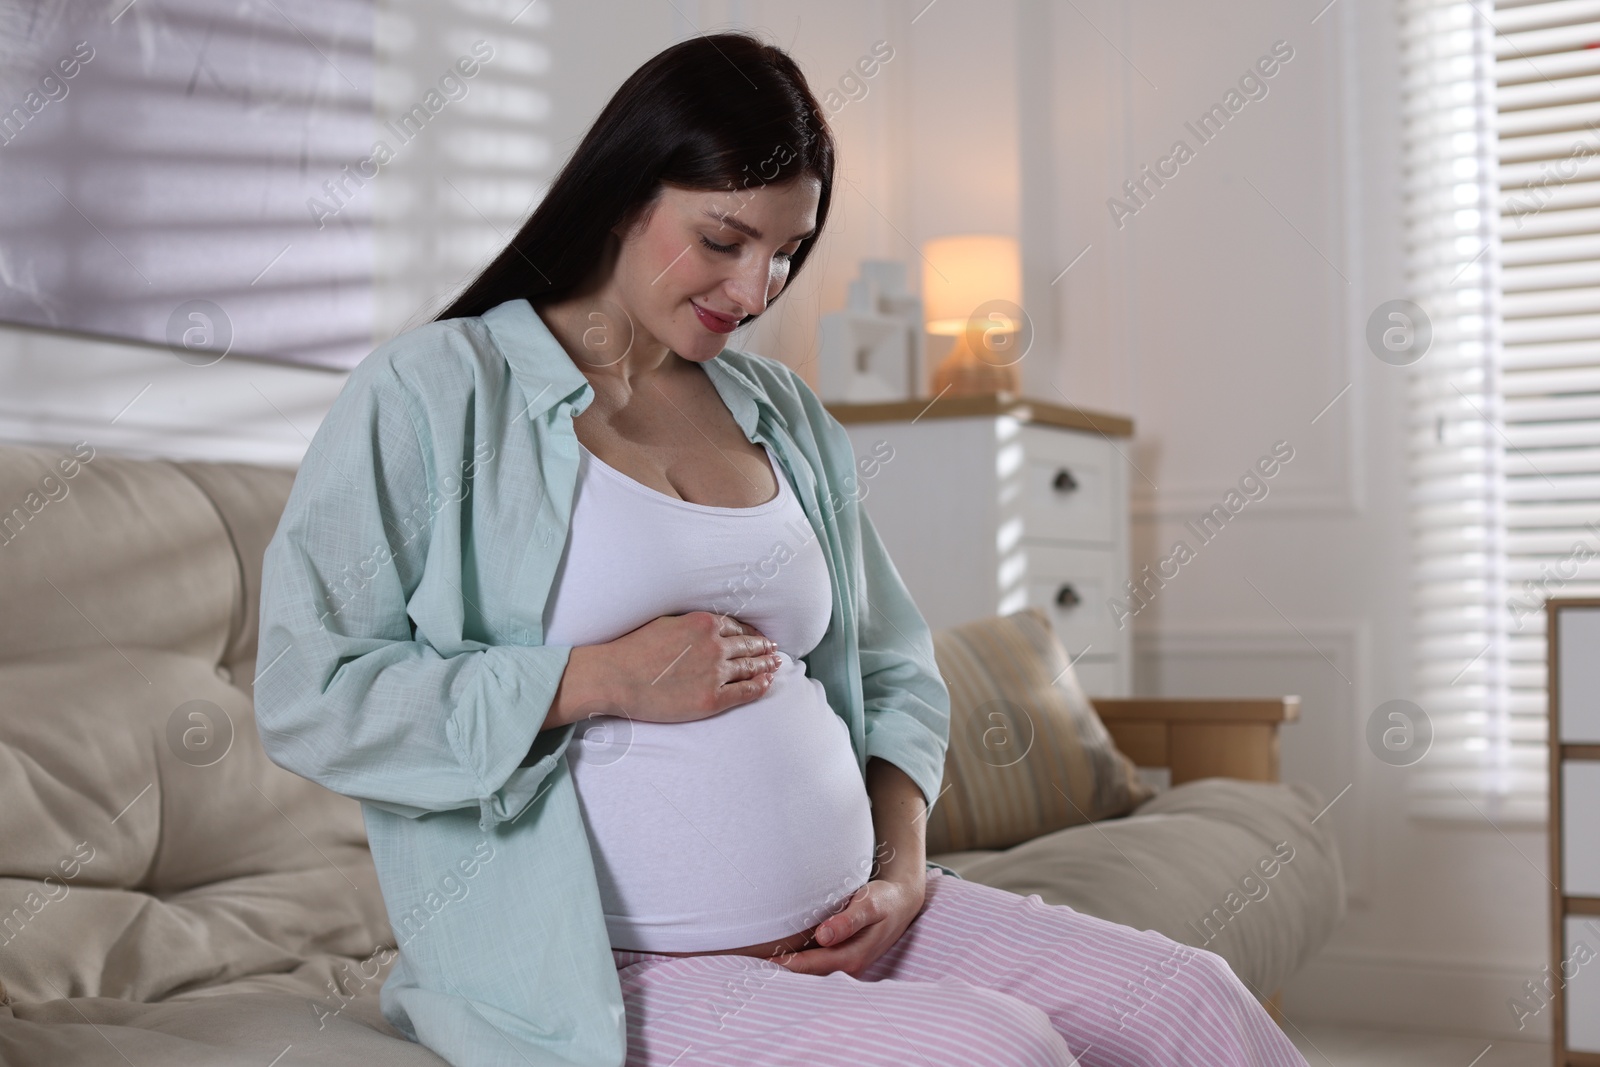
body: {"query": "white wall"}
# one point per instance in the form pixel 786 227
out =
pixel 1225 315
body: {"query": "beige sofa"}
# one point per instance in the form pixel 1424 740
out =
pixel 169 896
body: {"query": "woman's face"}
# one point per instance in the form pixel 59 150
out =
pixel 703 261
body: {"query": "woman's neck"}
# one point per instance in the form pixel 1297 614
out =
pixel 605 342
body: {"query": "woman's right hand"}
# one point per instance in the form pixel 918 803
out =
pixel 674 668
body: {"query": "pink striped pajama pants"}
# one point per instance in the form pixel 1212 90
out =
pixel 981 978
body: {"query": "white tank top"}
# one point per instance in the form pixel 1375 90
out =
pixel 736 829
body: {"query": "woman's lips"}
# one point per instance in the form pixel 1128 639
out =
pixel 714 322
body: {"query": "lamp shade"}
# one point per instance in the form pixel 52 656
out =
pixel 962 272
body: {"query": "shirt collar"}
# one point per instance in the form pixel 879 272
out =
pixel 540 365
pixel 548 376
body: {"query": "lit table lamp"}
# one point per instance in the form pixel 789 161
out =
pixel 971 290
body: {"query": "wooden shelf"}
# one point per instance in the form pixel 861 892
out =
pixel 1026 409
pixel 1565 906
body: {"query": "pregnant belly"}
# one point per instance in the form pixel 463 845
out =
pixel 735 833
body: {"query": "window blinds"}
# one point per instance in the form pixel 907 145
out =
pixel 1503 253
pixel 1547 75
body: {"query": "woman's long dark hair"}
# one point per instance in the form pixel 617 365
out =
pixel 727 112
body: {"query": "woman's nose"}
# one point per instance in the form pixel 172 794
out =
pixel 749 287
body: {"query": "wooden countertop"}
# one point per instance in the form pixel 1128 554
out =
pixel 1027 409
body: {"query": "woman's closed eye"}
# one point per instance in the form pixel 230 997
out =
pixel 734 248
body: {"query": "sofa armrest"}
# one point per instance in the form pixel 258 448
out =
pixel 1201 737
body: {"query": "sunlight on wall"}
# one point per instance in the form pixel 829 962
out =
pixel 462 186
pixel 158 161
pixel 1013 572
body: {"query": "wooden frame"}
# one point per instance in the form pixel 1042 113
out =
pixel 1218 737
pixel 1562 904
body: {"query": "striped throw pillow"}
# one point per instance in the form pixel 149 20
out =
pixel 1028 754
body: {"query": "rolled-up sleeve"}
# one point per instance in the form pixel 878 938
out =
pixel 906 701
pixel 348 693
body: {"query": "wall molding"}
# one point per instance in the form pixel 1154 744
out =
pixel 1407 991
pixel 1347 643
pixel 1344 494
pixel 1187 503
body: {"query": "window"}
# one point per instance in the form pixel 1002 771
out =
pixel 1502 153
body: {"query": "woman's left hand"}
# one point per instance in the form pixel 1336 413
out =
pixel 878 913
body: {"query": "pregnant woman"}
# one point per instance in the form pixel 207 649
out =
pixel 583 607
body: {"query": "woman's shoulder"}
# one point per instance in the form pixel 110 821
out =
pixel 436 370
pixel 428 379
pixel 436 363
pixel 801 410
pixel 779 383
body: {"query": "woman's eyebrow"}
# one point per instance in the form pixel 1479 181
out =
pixel 747 229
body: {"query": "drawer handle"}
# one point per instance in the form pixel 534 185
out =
pixel 1064 481
pixel 1067 597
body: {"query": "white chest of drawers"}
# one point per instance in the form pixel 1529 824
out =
pixel 990 504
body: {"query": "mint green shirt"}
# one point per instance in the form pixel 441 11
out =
pixel 402 663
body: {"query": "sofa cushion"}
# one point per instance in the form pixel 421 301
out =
pixel 150 847
pixel 128 583
pixel 1028 753
pixel 167 893
pixel 240 1029
pixel 248 500
pixel 1192 863
pixel 99 549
